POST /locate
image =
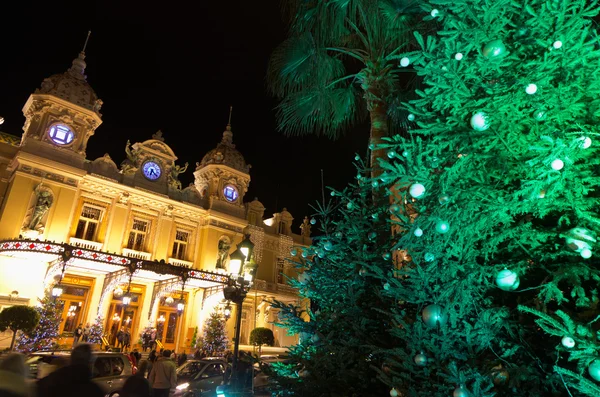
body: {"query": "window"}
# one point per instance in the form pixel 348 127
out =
pixel 61 134
pixel 137 235
pixel 182 238
pixel 282 228
pixel 102 367
pixel 117 365
pixel 89 222
pixel 213 370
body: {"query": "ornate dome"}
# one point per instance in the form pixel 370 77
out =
pixel 226 154
pixel 72 86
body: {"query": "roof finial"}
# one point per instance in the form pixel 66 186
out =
pixel 227 134
pixel 78 67
pixel 86 41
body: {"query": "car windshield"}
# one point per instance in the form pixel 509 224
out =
pixel 190 368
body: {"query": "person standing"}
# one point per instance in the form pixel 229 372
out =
pixel 153 339
pixel 126 340
pixel 163 376
pixel 13 376
pixel 120 337
pixel 74 380
pixel 182 358
pixel 152 356
pixel 135 386
pixel 87 331
pixel 77 334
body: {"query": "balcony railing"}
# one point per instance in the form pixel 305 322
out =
pixel 85 244
pixel 145 256
pixel 179 262
pixel 266 286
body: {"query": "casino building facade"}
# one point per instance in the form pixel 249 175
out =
pixel 103 231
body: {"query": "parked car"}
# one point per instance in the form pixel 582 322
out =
pixel 200 378
pixel 109 370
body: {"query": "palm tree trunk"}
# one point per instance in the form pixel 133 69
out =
pixel 379 128
pixel 12 342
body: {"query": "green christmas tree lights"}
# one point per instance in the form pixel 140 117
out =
pixel 215 337
pixel 45 335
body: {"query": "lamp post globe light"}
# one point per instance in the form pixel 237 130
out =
pixel 242 269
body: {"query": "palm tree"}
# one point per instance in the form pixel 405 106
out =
pixel 340 63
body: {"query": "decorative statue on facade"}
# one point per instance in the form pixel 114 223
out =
pixel 305 227
pixel 174 175
pixel 128 166
pixel 34 226
pixel 223 253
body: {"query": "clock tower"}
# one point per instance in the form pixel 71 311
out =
pixel 223 177
pixel 62 115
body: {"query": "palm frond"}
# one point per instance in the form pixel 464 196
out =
pixel 324 111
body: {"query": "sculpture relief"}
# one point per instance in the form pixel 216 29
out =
pixel 129 165
pixel 305 227
pixel 223 252
pixel 35 220
pixel 174 176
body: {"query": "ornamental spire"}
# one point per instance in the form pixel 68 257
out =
pixel 227 134
pixel 78 67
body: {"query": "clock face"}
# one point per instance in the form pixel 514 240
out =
pixel 230 193
pixel 61 134
pixel 151 170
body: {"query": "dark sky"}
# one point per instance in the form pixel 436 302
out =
pixel 177 67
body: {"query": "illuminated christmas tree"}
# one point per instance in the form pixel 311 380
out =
pixel 345 323
pixel 96 330
pixel 497 204
pixel 215 336
pixel 44 336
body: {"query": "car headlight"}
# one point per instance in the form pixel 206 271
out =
pixel 183 386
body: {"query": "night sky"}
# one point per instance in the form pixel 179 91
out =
pixel 176 67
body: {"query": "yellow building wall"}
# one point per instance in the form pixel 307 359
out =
pixel 15 205
pixel 59 216
pixel 116 228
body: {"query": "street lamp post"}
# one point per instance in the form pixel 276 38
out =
pixel 242 271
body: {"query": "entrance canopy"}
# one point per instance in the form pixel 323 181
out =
pixel 98 262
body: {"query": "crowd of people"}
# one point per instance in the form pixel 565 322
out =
pixel 155 376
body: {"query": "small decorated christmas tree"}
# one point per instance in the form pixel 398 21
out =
pixel 215 337
pixel 97 330
pixel 43 337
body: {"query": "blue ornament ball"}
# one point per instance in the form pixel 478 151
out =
pixel 434 315
pixel 313 221
pixel 418 232
pixel 328 246
pixel 293 252
pixel 387 256
pixel 429 257
pixel 372 235
pixel 391 154
pixel 460 392
pixel 494 49
pixel 594 369
pixel 421 359
pixel 394 208
pixel 507 280
pixel 442 227
pixel 416 190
